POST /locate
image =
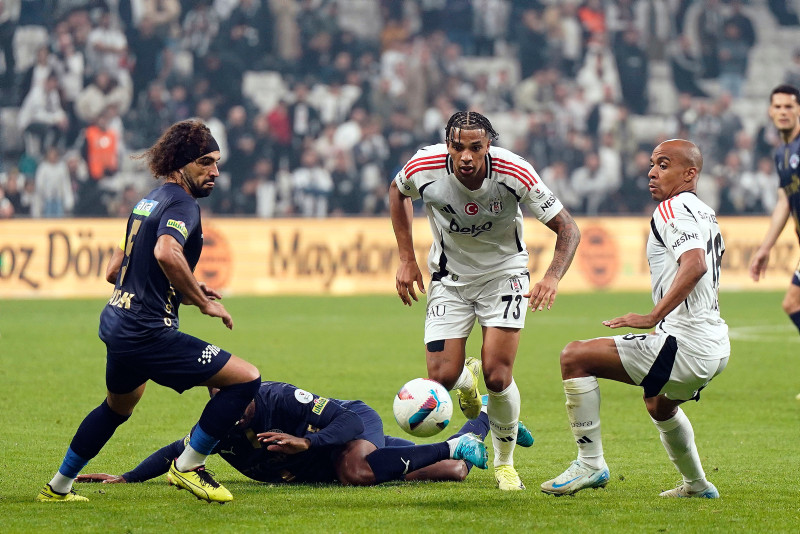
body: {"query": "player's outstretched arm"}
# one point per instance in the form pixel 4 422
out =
pixel 169 253
pixel 153 466
pixel 114 265
pixel 760 259
pixel 568 236
pixel 408 273
pixel 692 266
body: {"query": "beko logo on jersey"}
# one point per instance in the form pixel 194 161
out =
pixel 473 231
pixel 683 239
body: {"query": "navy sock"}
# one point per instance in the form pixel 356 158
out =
pixel 392 441
pixel 92 434
pixel 226 407
pixel 391 463
pixel 478 426
pixel 795 317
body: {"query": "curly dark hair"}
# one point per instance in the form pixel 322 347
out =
pixel 469 120
pixel 166 155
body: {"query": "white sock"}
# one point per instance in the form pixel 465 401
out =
pixel 677 435
pixel 61 483
pixel 503 410
pixel 583 411
pixel 465 381
pixel 452 444
pixel 189 459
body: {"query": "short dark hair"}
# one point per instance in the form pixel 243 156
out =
pixel 469 120
pixel 786 89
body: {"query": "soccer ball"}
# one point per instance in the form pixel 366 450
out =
pixel 422 407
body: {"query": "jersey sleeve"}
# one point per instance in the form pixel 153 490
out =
pixel 411 178
pixel 328 422
pixel 179 219
pixel 677 228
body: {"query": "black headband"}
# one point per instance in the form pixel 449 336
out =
pixel 189 151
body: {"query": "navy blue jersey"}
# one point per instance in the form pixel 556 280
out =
pixel 280 407
pixel 787 161
pixel 143 297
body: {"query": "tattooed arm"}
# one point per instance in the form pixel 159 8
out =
pixel 543 293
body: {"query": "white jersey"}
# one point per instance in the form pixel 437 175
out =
pixel 477 235
pixel 682 223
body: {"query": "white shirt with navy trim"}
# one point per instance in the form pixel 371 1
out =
pixel 477 235
pixel 682 223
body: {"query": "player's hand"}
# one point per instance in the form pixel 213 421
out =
pixel 632 320
pixel 407 274
pixel 216 309
pixel 101 477
pixel 542 294
pixel 758 264
pixel 210 293
pixel 285 443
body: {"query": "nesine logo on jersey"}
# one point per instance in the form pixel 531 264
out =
pixel 471 208
pixel 683 239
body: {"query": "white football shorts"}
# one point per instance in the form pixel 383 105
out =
pixel 452 310
pixel 659 364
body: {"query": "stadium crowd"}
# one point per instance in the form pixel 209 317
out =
pixel 316 103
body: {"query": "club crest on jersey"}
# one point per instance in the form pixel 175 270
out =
pixel 471 208
pixel 794 160
pixel 516 285
pixel 495 206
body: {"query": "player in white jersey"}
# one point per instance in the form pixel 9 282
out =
pixel 688 347
pixel 478 262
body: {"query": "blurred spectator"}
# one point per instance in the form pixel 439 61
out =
pixel 42 118
pixel 8 26
pixel 264 189
pixel 634 191
pixel 6 207
pixel 633 68
pixel 54 196
pixel 792 74
pixel 206 111
pixel 150 117
pixel 458 27
pixel 784 11
pixel 100 151
pixel 147 46
pixel 304 120
pixel 705 22
pixel 13 186
pixel 70 67
pixel 105 90
pixel 346 197
pixel 730 123
pixel 312 185
pixel 733 58
pixel 598 72
pixel 200 28
pixel 35 76
pixel 178 105
pixel 740 19
pixel 163 15
pixel 686 67
pixel 761 186
pixel 107 48
pixel 594 183
pixel 556 177
pixel 489 23
pixel 592 17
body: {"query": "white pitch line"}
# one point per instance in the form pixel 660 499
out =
pixel 783 333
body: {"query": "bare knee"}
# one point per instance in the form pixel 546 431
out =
pixel 572 361
pixel 356 474
pixel 498 377
pixel 790 305
pixel 661 408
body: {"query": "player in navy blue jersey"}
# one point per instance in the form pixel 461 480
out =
pixel 784 110
pixel 290 435
pixel 152 273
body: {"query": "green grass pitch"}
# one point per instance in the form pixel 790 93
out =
pixel 747 425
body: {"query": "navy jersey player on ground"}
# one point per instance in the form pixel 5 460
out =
pixel 784 110
pixel 153 274
pixel 290 435
pixel 688 347
pixel 473 192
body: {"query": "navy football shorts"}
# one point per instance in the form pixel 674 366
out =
pixel 373 426
pixel 168 357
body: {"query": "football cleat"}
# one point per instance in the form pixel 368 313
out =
pixel 200 483
pixel 524 436
pixel 507 478
pixel 46 494
pixel 470 400
pixel 471 448
pixel 578 476
pixel 682 490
